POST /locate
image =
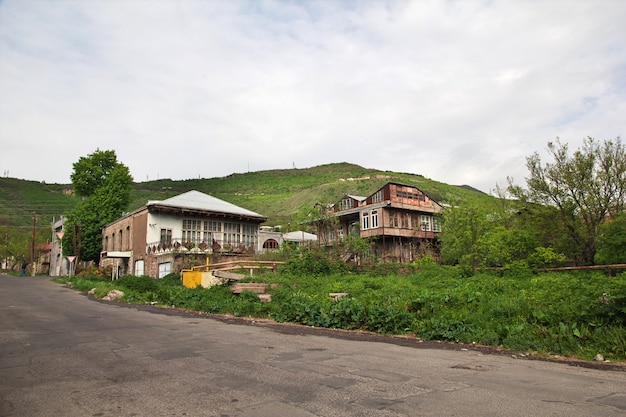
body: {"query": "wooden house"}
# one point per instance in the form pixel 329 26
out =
pixel 401 220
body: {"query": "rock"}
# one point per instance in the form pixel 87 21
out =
pixel 337 295
pixel 599 357
pixel 91 291
pixel 265 298
pixel 113 295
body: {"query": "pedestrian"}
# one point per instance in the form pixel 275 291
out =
pixel 23 271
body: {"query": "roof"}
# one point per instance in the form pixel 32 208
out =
pixel 356 197
pixel 299 236
pixel 407 185
pixel 196 201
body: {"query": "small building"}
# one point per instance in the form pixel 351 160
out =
pixel 270 238
pixel 401 220
pixel 160 237
pixel 300 237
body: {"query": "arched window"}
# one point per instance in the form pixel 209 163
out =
pixel 270 244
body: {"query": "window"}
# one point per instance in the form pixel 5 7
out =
pixel 347 203
pixel 378 196
pixel 249 234
pixel 192 231
pixel 410 195
pixel 405 220
pixel 374 219
pixel 210 226
pixel 393 220
pixel 365 220
pixel 166 237
pixel 213 226
pixel 436 224
pixel 232 233
pixel 270 244
pixel 426 223
pixel 415 222
pixel 164 269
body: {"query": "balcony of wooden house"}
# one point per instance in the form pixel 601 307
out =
pixel 398 232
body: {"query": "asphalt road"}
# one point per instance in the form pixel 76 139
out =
pixel 63 354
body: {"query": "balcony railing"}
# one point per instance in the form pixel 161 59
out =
pixel 178 245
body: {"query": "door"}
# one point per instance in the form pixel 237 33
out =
pixel 139 268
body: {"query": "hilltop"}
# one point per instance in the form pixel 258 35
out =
pixel 276 194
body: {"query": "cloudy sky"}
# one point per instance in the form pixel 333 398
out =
pixel 458 91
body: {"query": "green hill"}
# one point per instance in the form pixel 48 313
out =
pixel 276 194
pixel 279 194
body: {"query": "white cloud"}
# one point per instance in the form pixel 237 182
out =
pixel 460 92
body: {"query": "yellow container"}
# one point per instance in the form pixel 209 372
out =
pixel 192 279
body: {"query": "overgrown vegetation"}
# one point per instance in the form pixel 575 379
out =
pixel 578 314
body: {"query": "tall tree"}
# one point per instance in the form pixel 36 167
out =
pixel 586 187
pixel 92 171
pixel 105 185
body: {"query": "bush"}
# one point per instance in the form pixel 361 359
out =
pixel 140 284
pixel 314 261
pixel 171 279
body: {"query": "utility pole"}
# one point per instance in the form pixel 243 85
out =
pixel 78 252
pixel 6 252
pixel 74 238
pixel 32 245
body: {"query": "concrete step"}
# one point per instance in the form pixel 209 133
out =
pixel 258 288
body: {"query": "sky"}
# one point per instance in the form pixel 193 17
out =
pixel 460 92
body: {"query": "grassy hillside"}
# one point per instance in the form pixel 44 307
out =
pixel 276 194
pixel 19 199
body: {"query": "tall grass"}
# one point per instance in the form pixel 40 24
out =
pixel 565 313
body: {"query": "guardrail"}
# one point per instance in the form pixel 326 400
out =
pixel 608 268
pixel 235 265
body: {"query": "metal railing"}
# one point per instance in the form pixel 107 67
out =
pixel 178 245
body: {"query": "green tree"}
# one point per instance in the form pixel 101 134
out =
pixel 105 185
pixel 586 188
pixel 611 244
pixel 14 246
pixel 91 172
pixel 464 231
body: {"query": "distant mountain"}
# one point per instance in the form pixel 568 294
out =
pixel 276 194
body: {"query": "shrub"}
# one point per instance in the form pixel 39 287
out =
pixel 170 279
pixel 140 284
pixel 313 261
